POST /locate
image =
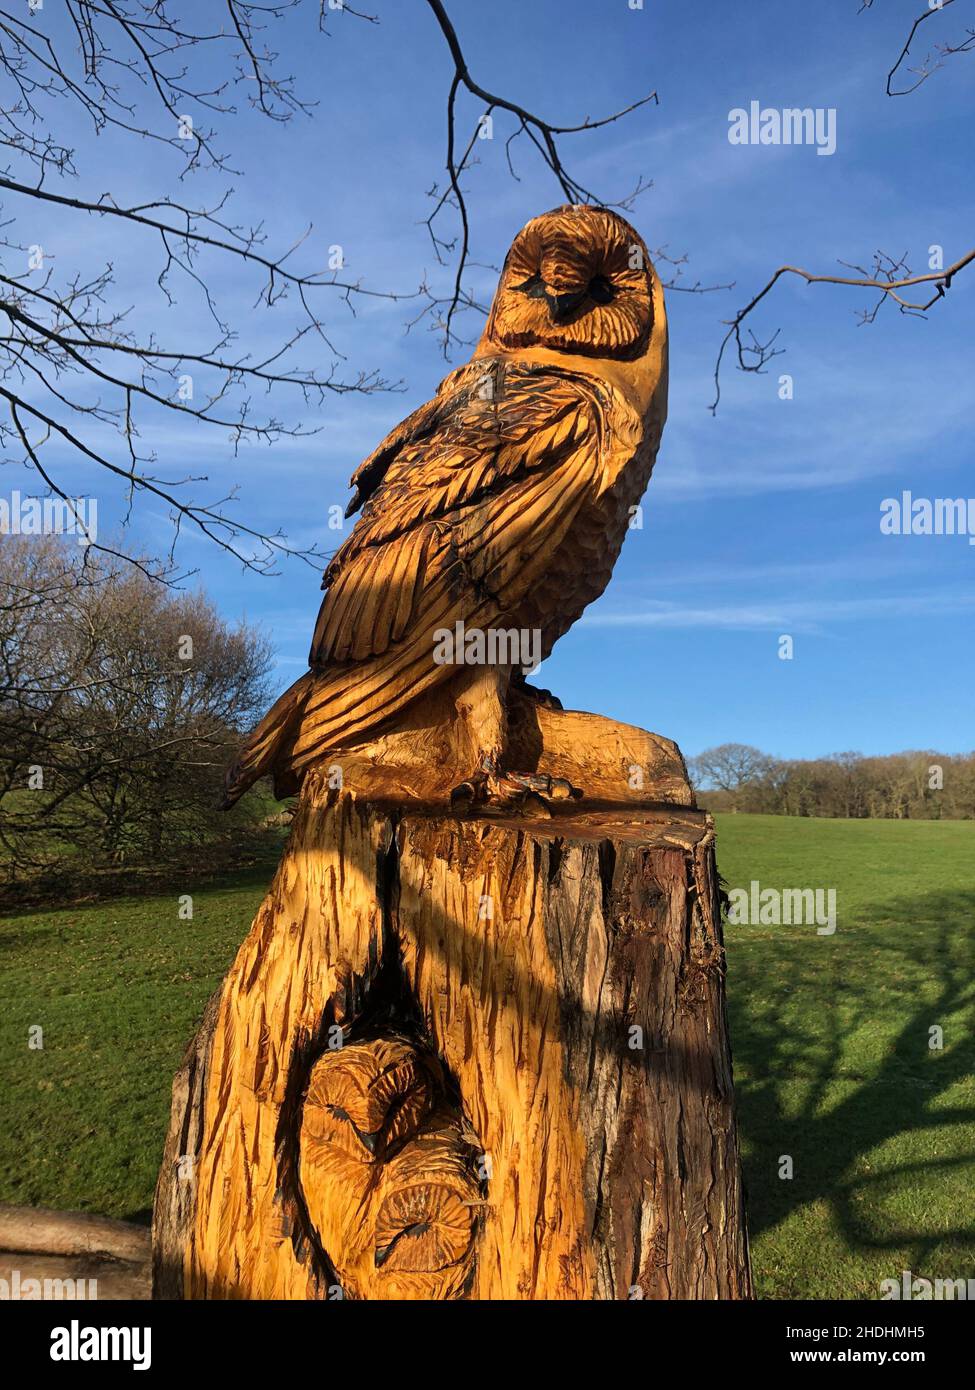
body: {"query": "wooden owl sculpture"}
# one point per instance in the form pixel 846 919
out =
pixel 490 518
pixel 425 1075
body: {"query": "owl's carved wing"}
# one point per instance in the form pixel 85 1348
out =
pixel 418 425
pixel 464 504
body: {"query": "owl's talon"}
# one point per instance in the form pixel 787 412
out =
pixel 513 790
pixel 470 792
pixel 550 788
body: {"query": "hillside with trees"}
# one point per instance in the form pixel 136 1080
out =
pixel 915 785
pixel 121 703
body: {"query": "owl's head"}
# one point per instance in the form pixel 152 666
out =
pixel 577 279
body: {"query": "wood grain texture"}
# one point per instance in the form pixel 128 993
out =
pixel 81 1234
pixel 532 1098
pixel 72 1255
pixel 502 504
pixel 474 1045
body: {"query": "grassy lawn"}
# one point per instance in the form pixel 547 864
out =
pixel 118 989
pixel 830 1038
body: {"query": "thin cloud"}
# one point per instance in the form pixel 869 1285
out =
pixel 811 615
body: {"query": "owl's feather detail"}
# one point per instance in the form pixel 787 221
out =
pixel 501 503
pixel 454 504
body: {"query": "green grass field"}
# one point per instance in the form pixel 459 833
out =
pixel 830 1037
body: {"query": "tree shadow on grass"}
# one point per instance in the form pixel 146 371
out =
pixel 827 1138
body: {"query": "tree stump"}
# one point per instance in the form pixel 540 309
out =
pixel 463 1055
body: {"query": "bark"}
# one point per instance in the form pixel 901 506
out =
pixel 465 1056
pixel 32 1276
pixel 73 1233
pixel 72 1254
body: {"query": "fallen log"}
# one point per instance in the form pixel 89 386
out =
pixel 42 1231
pixel 71 1255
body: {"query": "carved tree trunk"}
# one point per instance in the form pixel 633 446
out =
pixel 461 1056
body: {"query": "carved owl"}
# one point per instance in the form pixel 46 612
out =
pixel 500 505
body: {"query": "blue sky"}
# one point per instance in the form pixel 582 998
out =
pixel 760 522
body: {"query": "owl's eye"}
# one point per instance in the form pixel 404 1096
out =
pixel 600 290
pixel 534 287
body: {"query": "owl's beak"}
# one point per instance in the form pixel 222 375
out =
pixel 561 303
pixel 560 306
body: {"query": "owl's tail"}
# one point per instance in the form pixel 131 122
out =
pixel 267 748
pixel 329 709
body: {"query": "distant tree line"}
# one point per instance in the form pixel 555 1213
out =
pixel 121 704
pixel 919 785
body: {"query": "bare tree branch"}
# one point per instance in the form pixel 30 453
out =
pixel 69 362
pixel 933 60
pixel 754 356
pixel 542 134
